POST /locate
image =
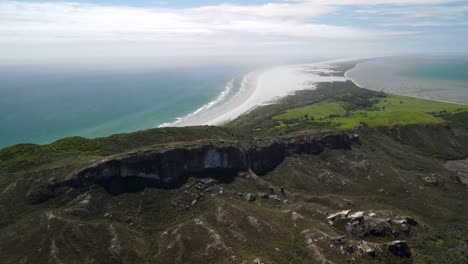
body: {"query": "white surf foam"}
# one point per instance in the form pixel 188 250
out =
pixel 260 88
pixel 220 98
pixel 275 83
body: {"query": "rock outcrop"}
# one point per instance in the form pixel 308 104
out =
pixel 172 167
pixel 460 168
pixel 399 248
pixel 360 225
pixel 319 242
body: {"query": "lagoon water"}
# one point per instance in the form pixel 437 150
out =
pixel 436 78
pixel 41 104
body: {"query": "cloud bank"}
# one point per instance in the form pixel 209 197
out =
pixel 65 31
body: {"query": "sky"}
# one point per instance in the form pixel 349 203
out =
pixel 182 32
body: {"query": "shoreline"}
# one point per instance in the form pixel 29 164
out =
pixel 346 75
pixel 350 79
pixel 261 87
pixel 255 90
pixel 215 109
pixel 221 96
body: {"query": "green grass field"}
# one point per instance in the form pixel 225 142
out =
pixel 319 110
pixel 386 111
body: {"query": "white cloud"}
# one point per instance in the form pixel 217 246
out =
pixel 294 10
pixel 62 21
pixel 419 16
pixel 87 29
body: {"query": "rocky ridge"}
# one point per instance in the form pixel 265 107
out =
pixel 172 167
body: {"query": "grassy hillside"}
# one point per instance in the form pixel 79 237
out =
pixel 344 106
pixel 383 111
pixel 23 156
pixel 396 169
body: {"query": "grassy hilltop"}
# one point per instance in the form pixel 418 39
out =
pixel 406 171
pixel 381 111
pixel 350 108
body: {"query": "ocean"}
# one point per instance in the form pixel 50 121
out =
pixel 40 104
pixel 441 78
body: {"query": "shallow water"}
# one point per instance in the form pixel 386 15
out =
pixel 436 78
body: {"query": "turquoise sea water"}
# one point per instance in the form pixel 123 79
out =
pixel 455 71
pixel 436 78
pixel 43 104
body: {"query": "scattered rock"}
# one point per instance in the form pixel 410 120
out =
pixel 406 223
pixel 399 248
pixel 366 249
pixel 221 190
pixel 410 220
pixel 356 216
pixel 52 182
pixel 432 180
pixel 250 197
pixel 295 216
pixel 263 195
pixel 337 241
pixel 359 225
pixel 334 218
pixel 257 261
pixel 367 226
pixel 275 198
pixel 194 202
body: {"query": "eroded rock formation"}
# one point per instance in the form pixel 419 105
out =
pixel 171 168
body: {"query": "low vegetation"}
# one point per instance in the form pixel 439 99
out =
pixel 24 156
pixel 394 170
pixel 344 106
pixel 382 111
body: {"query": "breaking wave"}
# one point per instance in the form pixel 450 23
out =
pixel 221 97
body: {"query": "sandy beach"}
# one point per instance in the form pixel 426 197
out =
pixel 346 75
pixel 258 88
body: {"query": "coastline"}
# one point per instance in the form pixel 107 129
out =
pixel 350 79
pixel 346 75
pixel 261 87
pixel 205 115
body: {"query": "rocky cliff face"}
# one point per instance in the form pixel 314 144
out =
pixel 171 168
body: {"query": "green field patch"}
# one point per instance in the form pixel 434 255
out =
pixel 396 103
pixel 319 111
pixel 384 118
pixel 386 111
